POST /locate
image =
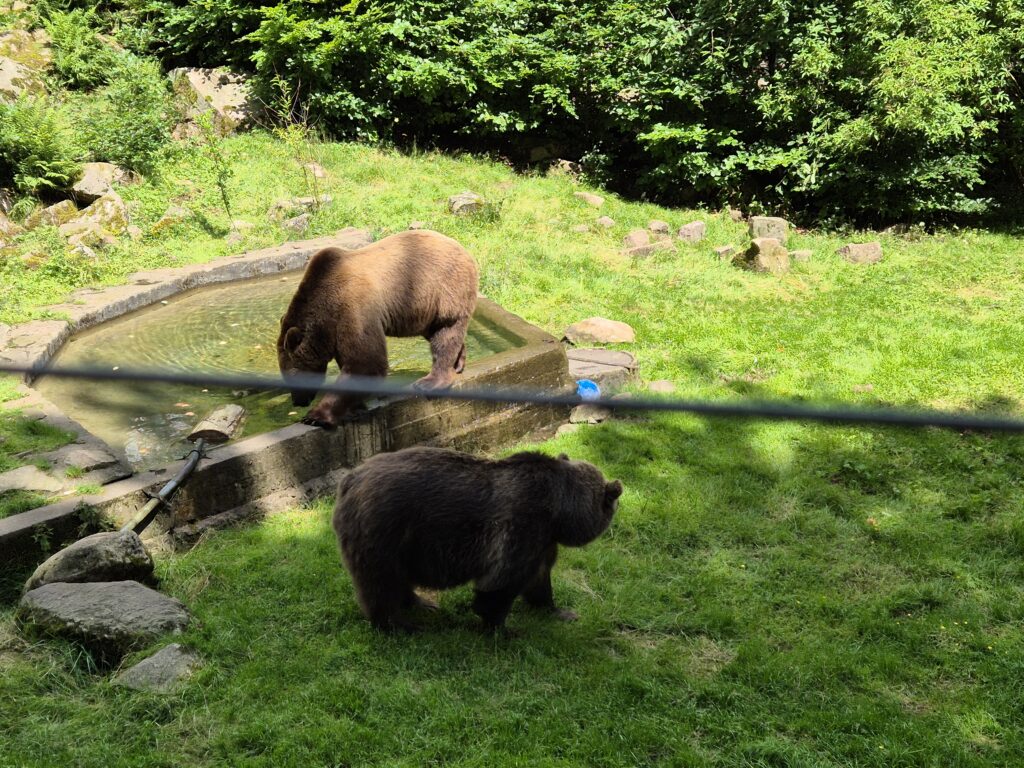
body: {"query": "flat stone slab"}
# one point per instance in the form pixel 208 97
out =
pixel 83 457
pixel 769 226
pixel 107 556
pixel 609 368
pixel 122 614
pixel 862 253
pixel 29 478
pixel 161 672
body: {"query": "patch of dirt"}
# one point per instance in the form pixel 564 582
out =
pixel 709 657
pixel 978 292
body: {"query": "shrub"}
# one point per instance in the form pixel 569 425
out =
pixel 81 57
pixel 38 150
pixel 863 109
pixel 128 122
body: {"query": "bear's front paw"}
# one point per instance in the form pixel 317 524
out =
pixel 314 420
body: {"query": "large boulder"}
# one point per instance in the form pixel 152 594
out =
pixel 465 203
pixel 766 254
pixel 599 330
pixel 8 229
pixel 99 223
pixel 224 93
pixel 107 556
pixel 590 199
pixel 769 226
pixel 53 216
pixel 16 79
pixel 862 253
pixel 693 232
pixel 115 615
pixel 98 179
pixel 161 672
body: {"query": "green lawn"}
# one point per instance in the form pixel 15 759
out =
pixel 769 594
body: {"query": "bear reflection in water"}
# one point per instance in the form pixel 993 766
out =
pixel 436 518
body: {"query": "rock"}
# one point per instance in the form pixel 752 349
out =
pixel 107 556
pixel 658 227
pixel 83 457
pixel 316 170
pixel 34 258
pixel 283 209
pixel 16 80
pixel 735 214
pixel 105 614
pixel 6 201
pixel 221 91
pixel 83 251
pixel 590 199
pixel 862 253
pixel 643 251
pixel 567 429
pixel 636 238
pixel 107 211
pixel 589 414
pixel 186 130
pixel 465 203
pixel 417 225
pixel 692 232
pixel 98 179
pixel 766 254
pixel 30 49
pixel 606 221
pixel 161 672
pixel 8 229
pixel 581 229
pixel 567 167
pixel 238 225
pixel 134 232
pixel 52 216
pixel 599 330
pixel 610 369
pixel 174 215
pixel 85 233
pixel 801 256
pixel 29 478
pixel 769 226
pixel 661 387
pixel 725 252
pixel 298 224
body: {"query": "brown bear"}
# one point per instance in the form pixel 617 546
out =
pixel 417 283
pixel 437 518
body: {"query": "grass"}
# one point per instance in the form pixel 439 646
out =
pixel 769 594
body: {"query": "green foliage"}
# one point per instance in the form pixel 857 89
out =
pixel 81 57
pixel 212 144
pixel 128 121
pixel 863 109
pixel 38 150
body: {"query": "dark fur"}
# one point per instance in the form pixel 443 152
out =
pixel 429 517
pixel 417 283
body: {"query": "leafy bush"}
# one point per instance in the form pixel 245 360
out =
pixel 81 57
pixel 38 150
pixel 128 122
pixel 863 109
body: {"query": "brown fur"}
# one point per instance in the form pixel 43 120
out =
pixel 417 283
pixel 435 518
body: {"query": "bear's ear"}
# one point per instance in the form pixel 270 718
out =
pixel 292 339
pixel 563 456
pixel 613 490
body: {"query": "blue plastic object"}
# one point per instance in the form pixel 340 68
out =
pixel 587 389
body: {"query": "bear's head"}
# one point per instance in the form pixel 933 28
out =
pixel 297 357
pixel 586 507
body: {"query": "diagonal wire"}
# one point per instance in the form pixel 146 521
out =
pixel 386 387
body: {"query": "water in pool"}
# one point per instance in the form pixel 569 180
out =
pixel 224 329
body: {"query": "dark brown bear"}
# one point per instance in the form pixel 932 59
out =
pixel 417 283
pixel 435 518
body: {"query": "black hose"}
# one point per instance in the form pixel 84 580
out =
pixel 145 515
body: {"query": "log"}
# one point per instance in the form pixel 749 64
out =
pixel 220 425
